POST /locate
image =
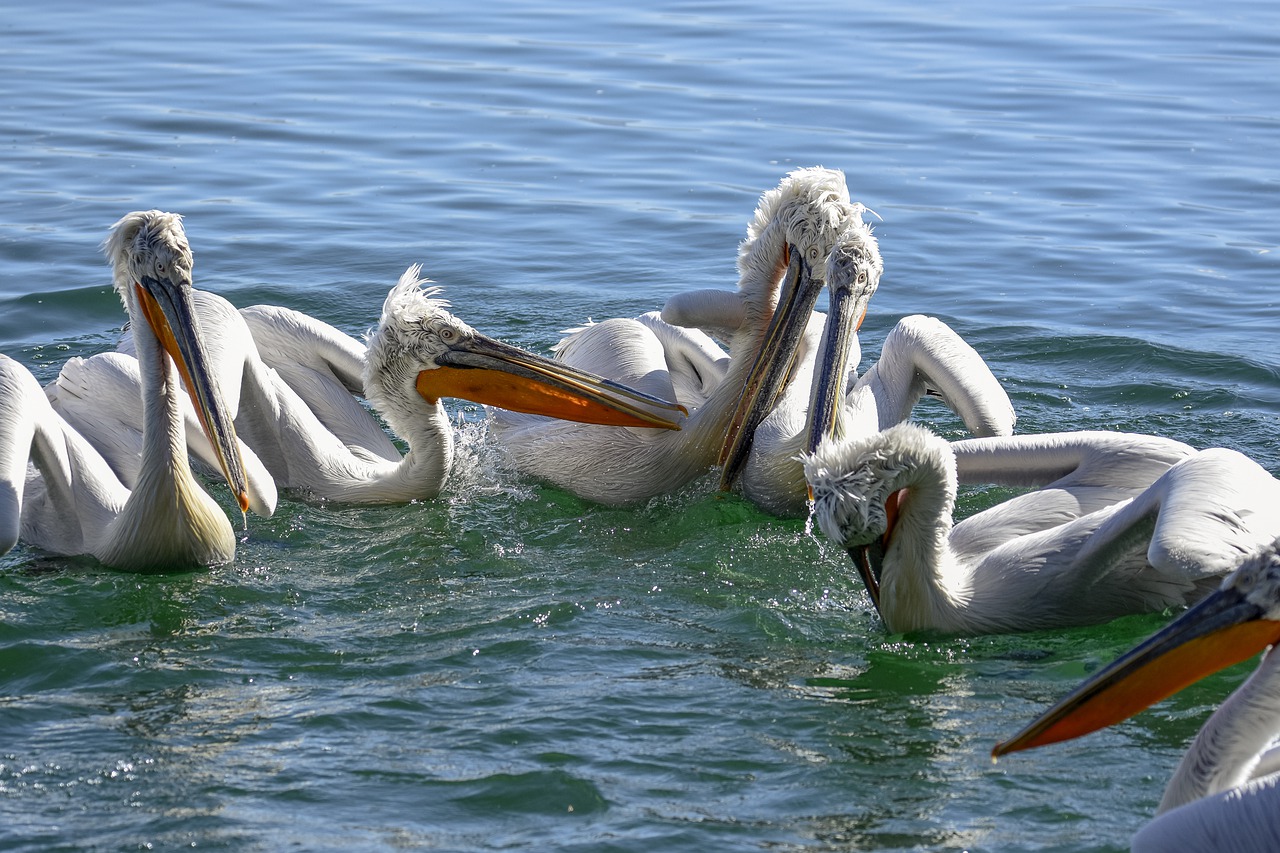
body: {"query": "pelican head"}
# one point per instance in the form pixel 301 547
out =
pixel 1231 624
pixel 857 488
pixel 783 263
pixel 802 215
pixel 151 265
pixel 420 348
pixel 854 268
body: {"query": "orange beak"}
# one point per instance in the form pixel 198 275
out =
pixel 1223 629
pixel 489 372
pixel 168 310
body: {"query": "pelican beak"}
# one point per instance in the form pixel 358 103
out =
pixel 1223 629
pixel 839 343
pixel 168 309
pixel 483 370
pixel 772 367
pixel 869 558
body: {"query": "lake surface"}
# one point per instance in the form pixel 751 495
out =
pixel 1085 191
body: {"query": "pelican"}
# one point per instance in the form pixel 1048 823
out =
pixel 98 398
pixel 773 404
pixel 77 505
pixel 793 229
pixel 1119 523
pixel 326 368
pixel 1225 792
pixel 419 353
pixel 921 355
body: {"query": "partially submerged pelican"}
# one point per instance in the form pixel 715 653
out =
pixel 920 356
pixel 76 504
pixel 793 230
pixel 1119 523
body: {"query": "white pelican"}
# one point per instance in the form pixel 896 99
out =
pixel 792 232
pixel 418 354
pixel 921 355
pixel 773 405
pixel 77 505
pixel 1119 524
pixel 98 398
pixel 1225 793
pixel 325 367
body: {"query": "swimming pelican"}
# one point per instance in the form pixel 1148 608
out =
pixel 98 398
pixel 1119 524
pixel 418 354
pixel 774 402
pixel 77 505
pixel 921 355
pixel 326 368
pixel 790 235
pixel 1225 793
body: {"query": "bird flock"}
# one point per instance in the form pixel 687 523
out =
pixel 109 460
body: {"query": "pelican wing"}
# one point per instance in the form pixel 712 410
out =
pixel 696 363
pixel 717 313
pixel 75 496
pixel 625 350
pixel 1074 474
pixel 1123 462
pixel 923 355
pixel 100 398
pixel 325 368
pixel 1196 522
pixel 1242 820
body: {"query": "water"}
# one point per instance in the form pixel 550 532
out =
pixel 1085 191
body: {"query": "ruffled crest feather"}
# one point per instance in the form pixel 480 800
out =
pixel 413 298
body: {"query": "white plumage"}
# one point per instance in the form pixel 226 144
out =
pixel 791 233
pixel 74 503
pixel 1118 523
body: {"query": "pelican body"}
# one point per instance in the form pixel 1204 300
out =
pixel 297 414
pixel 921 355
pixel 1116 524
pixel 76 504
pixel 1225 792
pixel 792 232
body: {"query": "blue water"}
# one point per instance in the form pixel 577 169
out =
pixel 1086 191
